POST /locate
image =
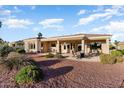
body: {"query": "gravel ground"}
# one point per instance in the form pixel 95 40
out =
pixel 69 73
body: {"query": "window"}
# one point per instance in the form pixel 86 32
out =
pixel 64 46
pixel 68 46
pixel 41 44
pixel 53 45
pixel 32 46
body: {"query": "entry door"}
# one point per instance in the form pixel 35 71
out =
pixel 79 48
pixel 68 48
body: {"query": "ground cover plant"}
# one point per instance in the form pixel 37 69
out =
pixel 29 74
pixel 26 68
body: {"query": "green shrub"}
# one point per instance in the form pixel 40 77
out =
pixel 29 74
pixel 5 50
pixel 116 53
pixel 17 61
pixel 20 50
pixel 49 55
pixel 107 59
pixel 58 55
pixel 122 51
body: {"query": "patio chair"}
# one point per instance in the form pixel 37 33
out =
pixel 80 55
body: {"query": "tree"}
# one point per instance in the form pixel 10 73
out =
pixel 1 40
pixel 39 38
pixel 0 24
pixel 40 35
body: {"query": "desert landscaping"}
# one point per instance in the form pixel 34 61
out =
pixel 68 73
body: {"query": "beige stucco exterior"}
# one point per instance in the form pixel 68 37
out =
pixel 68 43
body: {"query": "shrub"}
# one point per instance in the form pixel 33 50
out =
pixel 49 55
pixel 119 59
pixel 2 66
pixel 58 55
pixel 16 61
pixel 107 59
pixel 1 60
pixel 29 74
pixel 110 59
pixel 20 50
pixel 122 51
pixel 111 47
pixel 116 53
pixel 5 50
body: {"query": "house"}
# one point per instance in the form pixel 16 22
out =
pixel 68 43
pixel 17 44
pixel 121 45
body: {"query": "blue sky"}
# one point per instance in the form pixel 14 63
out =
pixel 20 22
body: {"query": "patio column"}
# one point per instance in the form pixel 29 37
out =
pixel 86 49
pixel 83 45
pixel 105 47
pixel 26 46
pixel 36 46
pixel 57 46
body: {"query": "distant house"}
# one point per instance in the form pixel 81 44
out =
pixel 121 45
pixel 68 43
pixel 17 44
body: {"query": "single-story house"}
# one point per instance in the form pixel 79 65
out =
pixel 17 44
pixel 68 43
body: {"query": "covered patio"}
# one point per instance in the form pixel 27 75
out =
pixel 85 43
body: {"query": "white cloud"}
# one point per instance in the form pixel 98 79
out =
pixel 113 26
pixel 116 28
pixel 52 23
pixel 17 23
pixel 106 14
pixel 16 9
pixel 5 12
pixel 81 12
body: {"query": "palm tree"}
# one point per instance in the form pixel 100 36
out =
pixel 39 38
pixel 40 35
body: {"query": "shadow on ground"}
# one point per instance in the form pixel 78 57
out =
pixel 52 73
pixel 48 62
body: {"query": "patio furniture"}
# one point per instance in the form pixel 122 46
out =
pixel 80 54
